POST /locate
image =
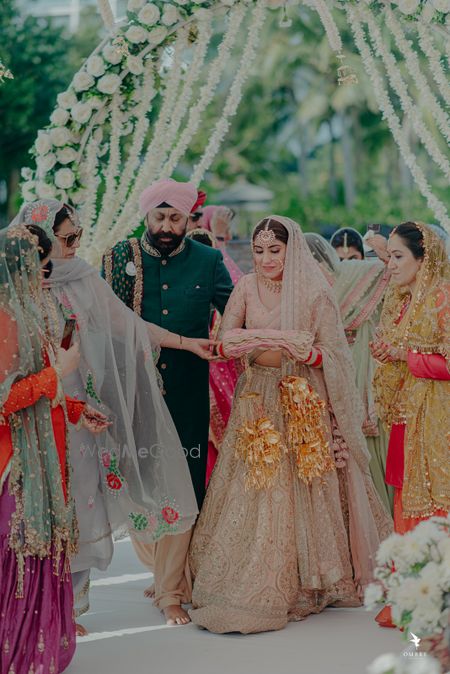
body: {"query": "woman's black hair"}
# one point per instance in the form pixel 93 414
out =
pixel 348 237
pixel 412 237
pixel 66 212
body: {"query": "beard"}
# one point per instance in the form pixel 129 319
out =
pixel 165 247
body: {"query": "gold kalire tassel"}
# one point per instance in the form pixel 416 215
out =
pixel 258 444
pixel 305 428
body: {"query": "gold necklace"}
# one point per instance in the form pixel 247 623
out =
pixel 274 286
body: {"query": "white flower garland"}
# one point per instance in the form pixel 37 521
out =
pixel 141 113
pixel 434 58
pixel 413 65
pixel 399 86
pixel 329 24
pixel 69 163
pixel 207 92
pixel 127 219
pixel 257 19
pixel 88 210
pixel 392 119
pixel 114 165
pixel 194 71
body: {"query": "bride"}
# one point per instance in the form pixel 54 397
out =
pixel 291 520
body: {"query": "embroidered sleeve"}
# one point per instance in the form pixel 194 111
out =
pixel 116 270
pixel 29 390
pixel 234 315
pixel 74 409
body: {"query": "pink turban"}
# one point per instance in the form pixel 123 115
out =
pixel 181 196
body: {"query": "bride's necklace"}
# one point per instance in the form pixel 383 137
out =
pixel 273 286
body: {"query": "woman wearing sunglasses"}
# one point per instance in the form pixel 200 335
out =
pixel 137 477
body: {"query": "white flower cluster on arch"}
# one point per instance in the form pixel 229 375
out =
pixel 128 116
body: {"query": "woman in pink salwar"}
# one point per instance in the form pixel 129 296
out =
pixel 291 520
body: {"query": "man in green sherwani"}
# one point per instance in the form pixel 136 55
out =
pixel 173 281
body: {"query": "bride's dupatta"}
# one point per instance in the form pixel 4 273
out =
pixel 422 404
pixel 308 304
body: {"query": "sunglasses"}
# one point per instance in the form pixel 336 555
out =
pixel 71 239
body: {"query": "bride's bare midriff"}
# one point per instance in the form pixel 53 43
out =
pixel 268 359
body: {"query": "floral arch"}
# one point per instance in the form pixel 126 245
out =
pixel 129 116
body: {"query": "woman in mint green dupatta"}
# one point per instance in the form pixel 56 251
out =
pixel 360 286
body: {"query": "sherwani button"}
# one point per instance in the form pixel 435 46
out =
pixel 163 366
pixel 164 262
pixel 165 312
pixel 165 286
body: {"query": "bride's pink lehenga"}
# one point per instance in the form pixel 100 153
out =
pixel 262 558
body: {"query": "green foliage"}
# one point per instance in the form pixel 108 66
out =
pixel 43 59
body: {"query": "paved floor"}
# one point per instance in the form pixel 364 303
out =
pixel 127 636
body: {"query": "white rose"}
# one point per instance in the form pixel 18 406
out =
pixel 47 162
pixel 372 595
pixel 441 5
pixel 60 136
pixel 45 191
pixel 95 66
pixel 81 112
pixel 26 173
pixel 59 117
pixel 96 102
pixel 157 35
pixel 66 155
pixel 82 81
pixel 149 14
pixel 112 55
pixel 136 34
pixel 170 15
pixel 66 99
pixel 383 664
pixel 64 178
pixel 78 197
pixel 108 84
pixel 43 143
pixel 135 5
pixel 28 190
pixel 135 65
pixel 408 6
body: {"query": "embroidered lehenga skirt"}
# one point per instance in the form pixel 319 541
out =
pixel 261 558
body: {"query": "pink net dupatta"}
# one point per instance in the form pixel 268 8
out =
pixel 308 303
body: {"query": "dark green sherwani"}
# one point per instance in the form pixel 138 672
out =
pixel 176 292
